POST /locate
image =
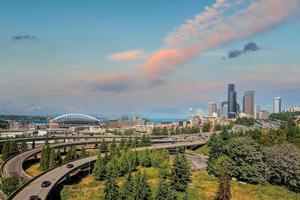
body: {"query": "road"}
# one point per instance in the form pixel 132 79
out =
pixel 13 166
pixel 56 175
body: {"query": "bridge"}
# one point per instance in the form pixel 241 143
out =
pixel 56 175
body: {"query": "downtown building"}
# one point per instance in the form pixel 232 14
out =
pixel 248 103
pixel 232 102
pixel 277 105
pixel 212 109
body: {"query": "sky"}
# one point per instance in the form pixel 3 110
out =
pixel 154 58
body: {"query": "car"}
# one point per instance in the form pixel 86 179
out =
pixel 34 197
pixel 46 184
pixel 70 165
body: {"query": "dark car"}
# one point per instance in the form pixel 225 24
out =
pixel 46 183
pixel 34 197
pixel 70 165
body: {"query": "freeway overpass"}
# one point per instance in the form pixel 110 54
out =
pixel 56 175
pixel 14 165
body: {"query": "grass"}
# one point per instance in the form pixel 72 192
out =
pixel 34 169
pixel 203 187
pixel 203 150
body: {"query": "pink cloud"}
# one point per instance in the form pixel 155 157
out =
pixel 215 27
pixel 127 55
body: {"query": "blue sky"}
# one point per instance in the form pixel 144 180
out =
pixel 155 58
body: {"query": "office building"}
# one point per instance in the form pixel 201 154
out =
pixel 277 105
pixel 257 110
pixel 248 103
pixel 212 109
pixel 232 103
pixel 223 109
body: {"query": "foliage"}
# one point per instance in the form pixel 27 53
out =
pixel 145 141
pixel 99 170
pixel 245 121
pixel 71 155
pixel 164 192
pixel 103 147
pixel 45 158
pixel 284 116
pixel 283 166
pixel 144 158
pixel 206 127
pixel 127 190
pixel 180 173
pixel 224 186
pixel 111 189
pixel 10 148
pixel 142 190
pixel 9 184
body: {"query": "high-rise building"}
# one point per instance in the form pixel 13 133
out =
pixel 248 103
pixel 223 109
pixel 212 108
pixel 277 105
pixel 256 112
pixel 232 103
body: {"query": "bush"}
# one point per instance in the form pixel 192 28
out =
pixel 283 166
pixel 9 184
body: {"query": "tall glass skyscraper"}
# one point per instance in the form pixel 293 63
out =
pixel 277 105
pixel 248 103
pixel 232 103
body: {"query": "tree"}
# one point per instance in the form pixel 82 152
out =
pixel 52 162
pixel 113 148
pixel 142 190
pixel 103 147
pixel 164 192
pixel 246 160
pixel 5 151
pixel 45 158
pixel 111 189
pixel 24 146
pixel 224 186
pixel 283 166
pixel 9 184
pixel 181 173
pixel 129 143
pixel 71 155
pixel 122 144
pixel 99 170
pixel 58 158
pixel 206 127
pixel 128 188
pixel 145 141
pixel 144 158
pixel 82 153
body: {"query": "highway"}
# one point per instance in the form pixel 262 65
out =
pixel 56 175
pixel 13 166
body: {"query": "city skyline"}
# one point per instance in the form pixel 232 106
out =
pixel 118 58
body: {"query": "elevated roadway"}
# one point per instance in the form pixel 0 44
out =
pixel 56 175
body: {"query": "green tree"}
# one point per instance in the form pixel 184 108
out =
pixel 45 157
pixel 181 173
pixel 128 188
pixel 246 160
pixel 52 162
pixel 164 192
pixel 5 151
pixel 9 184
pixel 129 143
pixel 99 170
pixel 206 127
pixel 24 146
pixel 103 147
pixel 71 155
pixel 82 153
pixel 122 144
pixel 283 166
pixel 142 190
pixel 111 189
pixel 224 186
pixel 113 148
pixel 144 158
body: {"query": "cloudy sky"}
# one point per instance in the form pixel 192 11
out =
pixel 155 58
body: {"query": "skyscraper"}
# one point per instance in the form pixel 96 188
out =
pixel 232 103
pixel 277 105
pixel 248 103
pixel 212 108
pixel 257 110
pixel 223 109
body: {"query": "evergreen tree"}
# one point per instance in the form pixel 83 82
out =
pixel 111 190
pixel 224 186
pixel 52 162
pixel 127 189
pixel 186 196
pixel 180 175
pixel 24 146
pixel 58 157
pixel 113 148
pixel 144 158
pixel 99 170
pixel 163 191
pixel 71 155
pixel 82 153
pixel 103 148
pixel 13 148
pixel 9 184
pixel 45 157
pixel 135 142
pixel 5 151
pixel 122 144
pixel 142 190
pixel 129 143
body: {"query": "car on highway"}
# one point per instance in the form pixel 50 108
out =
pixel 46 184
pixel 70 165
pixel 34 197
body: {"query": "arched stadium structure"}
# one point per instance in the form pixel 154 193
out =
pixel 74 119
